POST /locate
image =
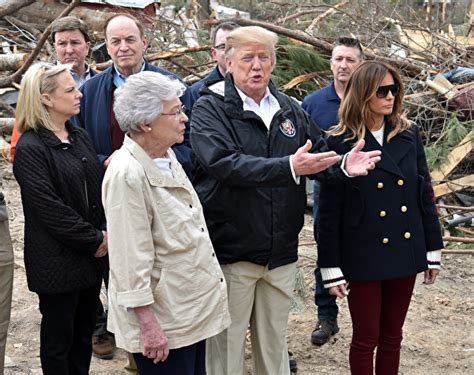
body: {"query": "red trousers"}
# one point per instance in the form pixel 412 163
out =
pixel 378 310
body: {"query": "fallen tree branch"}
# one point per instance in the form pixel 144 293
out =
pixel 321 45
pixel 282 20
pixel 20 25
pixel 458 239
pixel 12 61
pixel 465 230
pixel 11 6
pixel 16 77
pixel 327 13
pixel 459 208
pixel 459 251
pixel 165 55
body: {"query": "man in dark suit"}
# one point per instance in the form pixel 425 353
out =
pixel 218 39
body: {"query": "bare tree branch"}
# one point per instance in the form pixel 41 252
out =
pixel 15 77
pixel 323 46
pixel 11 6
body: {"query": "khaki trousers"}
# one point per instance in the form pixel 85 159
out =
pixel 262 298
pixel 6 281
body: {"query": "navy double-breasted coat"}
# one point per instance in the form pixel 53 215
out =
pixel 380 226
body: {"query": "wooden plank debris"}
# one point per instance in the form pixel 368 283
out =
pixel 455 157
pixel 453 186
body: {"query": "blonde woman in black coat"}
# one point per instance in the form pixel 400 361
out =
pixel 376 232
pixel 60 178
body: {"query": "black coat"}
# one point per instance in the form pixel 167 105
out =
pixel 254 209
pixel 61 195
pixel 380 226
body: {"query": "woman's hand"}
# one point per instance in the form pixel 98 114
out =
pixel 339 290
pixel 103 247
pixel 430 275
pixel 359 163
pixel 155 342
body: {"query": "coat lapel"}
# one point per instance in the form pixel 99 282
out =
pixel 392 152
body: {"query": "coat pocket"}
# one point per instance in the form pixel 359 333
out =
pixel 175 299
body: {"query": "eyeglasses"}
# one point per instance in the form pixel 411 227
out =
pixel 179 112
pixel 382 91
pixel 220 47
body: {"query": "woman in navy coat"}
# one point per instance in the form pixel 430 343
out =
pixel 376 232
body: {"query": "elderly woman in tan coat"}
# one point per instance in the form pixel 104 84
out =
pixel 167 293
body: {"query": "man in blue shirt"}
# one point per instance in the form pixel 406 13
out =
pixel 126 44
pixel 323 106
pixel 218 39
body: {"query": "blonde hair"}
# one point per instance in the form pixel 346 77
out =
pixel 251 35
pixel 354 112
pixel 40 79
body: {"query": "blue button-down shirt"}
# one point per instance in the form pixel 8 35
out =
pixel 119 78
pixel 323 106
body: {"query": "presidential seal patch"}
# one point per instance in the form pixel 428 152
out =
pixel 287 128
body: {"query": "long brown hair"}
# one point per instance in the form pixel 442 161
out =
pixel 354 112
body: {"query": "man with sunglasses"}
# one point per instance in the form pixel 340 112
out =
pixel 323 106
pixel 218 39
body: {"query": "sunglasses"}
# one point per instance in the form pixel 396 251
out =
pixel 382 91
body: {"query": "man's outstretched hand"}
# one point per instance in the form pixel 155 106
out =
pixel 305 162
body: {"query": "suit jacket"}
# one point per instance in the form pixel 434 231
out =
pixel 380 226
pixel 95 115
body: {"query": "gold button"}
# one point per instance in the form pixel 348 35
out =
pixel 382 214
pixel 400 182
pixel 380 185
pixel 407 235
pixel 404 208
pixel 385 241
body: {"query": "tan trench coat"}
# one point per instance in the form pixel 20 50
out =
pixel 160 253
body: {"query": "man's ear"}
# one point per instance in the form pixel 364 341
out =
pixel 228 64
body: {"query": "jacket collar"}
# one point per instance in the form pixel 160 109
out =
pixel 392 152
pixel 233 102
pixel 50 139
pixel 154 175
pixel 331 94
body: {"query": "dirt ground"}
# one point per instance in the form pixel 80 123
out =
pixel 439 335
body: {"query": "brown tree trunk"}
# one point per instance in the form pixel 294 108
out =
pixel 11 6
pixel 204 10
pixel 321 45
pixel 12 61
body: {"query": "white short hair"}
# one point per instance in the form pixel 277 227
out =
pixel 140 99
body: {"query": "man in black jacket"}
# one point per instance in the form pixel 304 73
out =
pixel 253 145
